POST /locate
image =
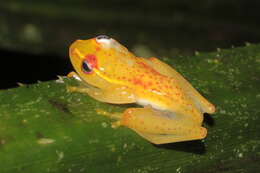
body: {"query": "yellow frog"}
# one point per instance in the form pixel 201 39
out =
pixel 173 109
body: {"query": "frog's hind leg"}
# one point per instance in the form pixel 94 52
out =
pixel 203 104
pixel 159 128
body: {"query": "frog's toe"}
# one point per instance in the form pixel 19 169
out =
pixel 203 133
pixel 211 109
pixel 116 124
pixel 71 89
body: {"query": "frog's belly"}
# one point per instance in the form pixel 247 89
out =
pixel 145 102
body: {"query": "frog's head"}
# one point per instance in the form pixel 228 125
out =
pixel 99 60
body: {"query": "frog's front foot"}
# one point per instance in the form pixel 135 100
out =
pixel 78 89
pixel 74 75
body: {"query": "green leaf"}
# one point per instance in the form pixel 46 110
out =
pixel 43 128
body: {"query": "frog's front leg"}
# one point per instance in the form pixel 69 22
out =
pixel 81 89
pixel 112 94
pixel 116 96
pixel 158 127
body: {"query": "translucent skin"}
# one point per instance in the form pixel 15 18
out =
pixel 173 109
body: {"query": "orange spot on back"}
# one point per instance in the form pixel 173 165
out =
pixel 137 81
pixel 98 49
pixel 147 67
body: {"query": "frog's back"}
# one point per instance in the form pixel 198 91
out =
pixel 150 86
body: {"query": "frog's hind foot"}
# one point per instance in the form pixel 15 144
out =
pixel 171 138
pixel 116 116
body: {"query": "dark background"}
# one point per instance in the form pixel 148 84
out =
pixel 35 35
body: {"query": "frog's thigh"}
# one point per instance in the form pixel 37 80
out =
pixel 203 104
pixel 116 95
pixel 158 128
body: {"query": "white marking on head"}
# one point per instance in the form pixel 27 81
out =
pixel 103 39
pixel 107 42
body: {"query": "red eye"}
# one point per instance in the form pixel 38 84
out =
pixel 86 67
pixel 89 63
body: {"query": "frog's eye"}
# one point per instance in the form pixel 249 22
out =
pixel 89 63
pixel 103 39
pixel 86 67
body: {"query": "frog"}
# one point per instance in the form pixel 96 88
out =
pixel 170 108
